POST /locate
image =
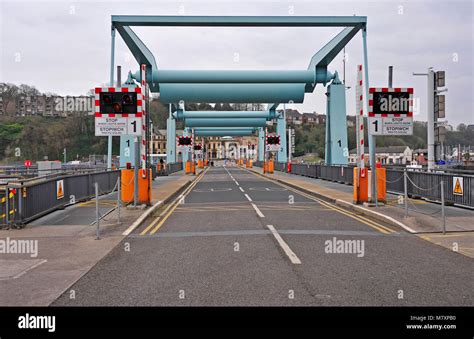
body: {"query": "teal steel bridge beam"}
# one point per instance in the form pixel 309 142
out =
pixel 183 115
pixel 222 132
pixel 226 122
pixel 239 21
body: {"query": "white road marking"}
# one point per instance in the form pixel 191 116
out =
pixel 236 183
pixel 293 258
pixel 241 189
pixel 247 196
pixel 260 214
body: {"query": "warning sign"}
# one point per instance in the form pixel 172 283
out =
pixel 59 189
pixel 458 185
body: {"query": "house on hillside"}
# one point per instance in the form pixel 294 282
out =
pixel 293 117
pixel 390 155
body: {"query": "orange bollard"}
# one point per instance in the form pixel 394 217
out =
pixel 271 167
pixel 381 185
pixel 188 167
pixel 128 186
pixel 361 187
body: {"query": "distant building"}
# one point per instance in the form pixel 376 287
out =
pixel 293 117
pixel 391 155
pixel 216 147
pixel 53 105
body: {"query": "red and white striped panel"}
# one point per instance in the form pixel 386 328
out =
pixel 360 112
pixel 144 110
pixel 99 90
pixel 372 90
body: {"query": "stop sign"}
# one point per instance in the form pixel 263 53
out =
pixel 27 163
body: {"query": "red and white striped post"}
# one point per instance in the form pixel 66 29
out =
pixel 360 122
pixel 143 154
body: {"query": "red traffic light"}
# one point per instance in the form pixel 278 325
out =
pixel 184 141
pixel 117 107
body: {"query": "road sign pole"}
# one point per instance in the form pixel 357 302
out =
pixel 431 126
pixel 371 137
pixel 112 61
pixel 135 171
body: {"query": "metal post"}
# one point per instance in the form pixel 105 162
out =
pixel 119 199
pixel 371 137
pixel 193 167
pixel 64 153
pixel 390 76
pixel 405 189
pixel 135 171
pixel 7 205
pixel 289 144
pixel 112 61
pixel 119 76
pixel 431 125
pixel 442 207
pixel 97 217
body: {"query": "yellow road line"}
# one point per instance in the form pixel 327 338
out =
pixel 156 223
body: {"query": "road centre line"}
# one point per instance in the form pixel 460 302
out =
pixel 293 258
pixel 350 214
pixel 259 213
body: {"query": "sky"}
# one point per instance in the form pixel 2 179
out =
pixel 64 46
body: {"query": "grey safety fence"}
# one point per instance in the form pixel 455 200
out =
pixel 32 198
pixel 167 169
pixel 419 184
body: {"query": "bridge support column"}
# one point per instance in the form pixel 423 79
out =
pixel 261 144
pixel 170 139
pixel 337 151
pixel 282 155
pixel 185 153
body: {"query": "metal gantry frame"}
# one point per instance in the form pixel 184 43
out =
pixel 273 87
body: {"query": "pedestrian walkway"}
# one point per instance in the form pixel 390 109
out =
pixel 67 247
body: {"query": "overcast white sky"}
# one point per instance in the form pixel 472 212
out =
pixel 64 46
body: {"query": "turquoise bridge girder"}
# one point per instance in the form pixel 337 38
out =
pixel 272 87
pixel 222 132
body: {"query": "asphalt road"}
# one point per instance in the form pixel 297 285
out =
pixel 239 239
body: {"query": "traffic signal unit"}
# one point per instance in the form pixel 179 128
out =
pixel 122 101
pixel 273 139
pixel 184 141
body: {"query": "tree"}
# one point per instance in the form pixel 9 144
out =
pixel 9 93
pixel 461 127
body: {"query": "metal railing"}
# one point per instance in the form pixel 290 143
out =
pixel 167 170
pixel 33 198
pixel 420 184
